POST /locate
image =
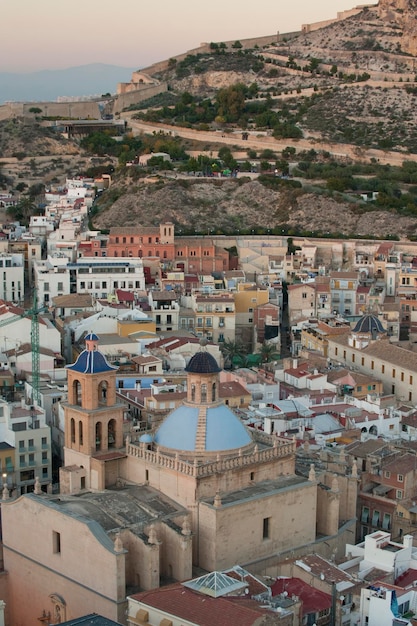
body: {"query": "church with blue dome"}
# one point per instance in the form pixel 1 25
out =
pixel 237 487
pixel 203 426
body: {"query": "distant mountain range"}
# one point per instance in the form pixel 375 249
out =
pixel 48 85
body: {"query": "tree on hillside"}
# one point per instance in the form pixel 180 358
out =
pixel 231 102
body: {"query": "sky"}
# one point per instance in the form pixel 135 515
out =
pixel 56 34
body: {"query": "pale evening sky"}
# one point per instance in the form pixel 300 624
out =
pixel 53 34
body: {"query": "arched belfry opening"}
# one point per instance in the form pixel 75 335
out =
pixel 99 436
pixel 77 396
pixel 111 434
pixel 103 392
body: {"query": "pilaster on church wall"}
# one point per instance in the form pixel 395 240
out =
pixel 176 558
pixel 327 512
pixel 142 561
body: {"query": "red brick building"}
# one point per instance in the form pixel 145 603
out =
pixel 142 242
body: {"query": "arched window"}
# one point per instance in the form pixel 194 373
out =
pixel 72 430
pixel 165 254
pixel 111 433
pixel 77 392
pixel 193 393
pixel 102 392
pixel 213 392
pixel 140 253
pixel 80 433
pixel 203 392
pixel 98 436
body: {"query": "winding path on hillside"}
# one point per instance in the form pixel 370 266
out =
pixel 260 142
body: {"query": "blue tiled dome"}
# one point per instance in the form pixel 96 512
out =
pixel 369 324
pixel 91 362
pixel 223 430
pixel 91 337
pixel 202 363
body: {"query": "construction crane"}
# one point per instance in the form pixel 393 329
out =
pixel 33 313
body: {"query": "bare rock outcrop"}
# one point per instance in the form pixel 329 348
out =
pixel 404 14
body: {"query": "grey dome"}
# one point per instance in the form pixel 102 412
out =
pixel 369 324
pixel 203 363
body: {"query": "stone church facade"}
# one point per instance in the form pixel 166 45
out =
pixel 202 490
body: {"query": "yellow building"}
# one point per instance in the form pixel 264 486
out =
pixel 247 298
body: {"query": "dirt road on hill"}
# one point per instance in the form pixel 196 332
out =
pixel 261 142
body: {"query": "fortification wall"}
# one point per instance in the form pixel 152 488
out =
pixel 341 15
pixel 124 100
pixel 80 109
pixel 204 48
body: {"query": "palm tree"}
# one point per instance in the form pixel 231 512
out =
pixel 233 352
pixel 23 210
pixel 269 352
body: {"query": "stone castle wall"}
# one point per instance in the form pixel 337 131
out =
pixel 124 100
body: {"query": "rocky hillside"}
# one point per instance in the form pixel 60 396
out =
pixel 233 206
pixel 24 136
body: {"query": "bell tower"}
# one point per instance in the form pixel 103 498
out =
pixel 93 421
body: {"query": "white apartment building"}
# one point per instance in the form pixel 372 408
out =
pixel 101 276
pixel 16 327
pixel 12 277
pixel 165 310
pixel 23 427
pixel 51 278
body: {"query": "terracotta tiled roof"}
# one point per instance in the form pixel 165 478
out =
pixel 232 389
pixel 402 464
pixel 73 299
pixel 313 599
pixel 201 609
pixel 318 566
pixel 362 449
pixel 143 360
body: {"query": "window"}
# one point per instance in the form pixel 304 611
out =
pixel 411 380
pixel 266 528
pixel 21 445
pixel 372 365
pixel 387 474
pixel 365 515
pixel 252 475
pixel 386 521
pixel 400 478
pixel 375 518
pixel 393 373
pixel 363 361
pixel 56 542
pixel 383 369
pixel 399 494
pixel 304 295
pixel 402 376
